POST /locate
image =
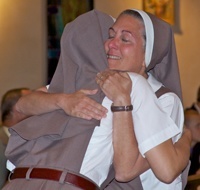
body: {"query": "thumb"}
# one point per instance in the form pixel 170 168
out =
pixel 124 74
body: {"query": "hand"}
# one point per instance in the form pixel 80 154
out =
pixel 80 105
pixel 116 86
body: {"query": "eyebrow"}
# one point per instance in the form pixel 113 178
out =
pixel 126 31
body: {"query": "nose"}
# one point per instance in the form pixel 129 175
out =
pixel 113 43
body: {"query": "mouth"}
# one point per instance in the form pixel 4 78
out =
pixel 113 57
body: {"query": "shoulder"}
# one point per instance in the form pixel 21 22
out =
pixel 170 99
pixel 172 105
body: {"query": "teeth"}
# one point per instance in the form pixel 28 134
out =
pixel 113 57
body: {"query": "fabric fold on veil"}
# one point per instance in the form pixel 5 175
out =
pixel 82 57
pixel 161 61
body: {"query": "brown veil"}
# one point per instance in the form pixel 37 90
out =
pixel 161 60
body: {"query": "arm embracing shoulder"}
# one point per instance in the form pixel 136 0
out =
pixel 77 104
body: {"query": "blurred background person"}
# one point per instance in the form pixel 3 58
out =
pixel 9 117
pixel 192 122
pixel 196 105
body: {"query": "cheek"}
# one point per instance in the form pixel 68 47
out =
pixel 128 54
pixel 131 59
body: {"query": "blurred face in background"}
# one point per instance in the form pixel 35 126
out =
pixel 192 122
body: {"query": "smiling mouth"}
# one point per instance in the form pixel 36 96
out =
pixel 113 57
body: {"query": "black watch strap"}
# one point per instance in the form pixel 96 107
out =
pixel 121 108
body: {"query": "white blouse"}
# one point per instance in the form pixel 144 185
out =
pixel 156 128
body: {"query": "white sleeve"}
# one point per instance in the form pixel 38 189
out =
pixel 157 126
pixel 10 166
pixel 172 105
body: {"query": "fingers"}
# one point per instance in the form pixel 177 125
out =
pixel 90 110
pixel 92 113
pixel 84 107
pixel 95 110
pixel 125 75
pixel 103 76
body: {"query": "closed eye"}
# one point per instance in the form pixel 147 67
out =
pixel 125 40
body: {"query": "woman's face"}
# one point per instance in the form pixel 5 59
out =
pixel 125 46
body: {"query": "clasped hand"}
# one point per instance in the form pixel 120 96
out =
pixel 116 85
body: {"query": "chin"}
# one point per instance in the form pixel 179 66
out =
pixel 112 67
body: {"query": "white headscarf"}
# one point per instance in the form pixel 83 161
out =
pixel 149 30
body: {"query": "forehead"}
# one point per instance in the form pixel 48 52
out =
pixel 128 23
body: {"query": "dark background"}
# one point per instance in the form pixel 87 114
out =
pixel 59 13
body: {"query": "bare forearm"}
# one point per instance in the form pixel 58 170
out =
pixel 171 158
pixel 125 145
pixel 167 157
pixel 37 103
pixel 77 104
